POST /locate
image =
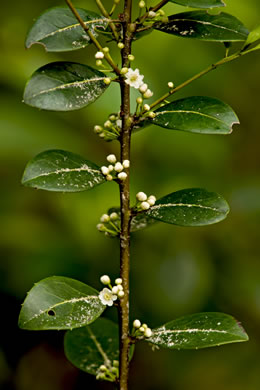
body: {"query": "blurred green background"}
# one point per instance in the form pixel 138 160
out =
pixel 174 271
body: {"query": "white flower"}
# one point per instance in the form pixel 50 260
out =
pixel 111 158
pixel 136 324
pixel 134 78
pixel 105 279
pixel 99 55
pixel 107 297
pixel 141 196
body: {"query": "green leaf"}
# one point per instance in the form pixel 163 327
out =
pixel 60 303
pixel 200 3
pixel 57 29
pixel 198 331
pixel 190 207
pixel 197 114
pixel 201 25
pixel 58 170
pixel 253 36
pixel 93 345
pixel 64 86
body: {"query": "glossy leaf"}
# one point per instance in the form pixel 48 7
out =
pixel 198 331
pixel 57 29
pixel 64 86
pixel 93 345
pixel 190 207
pixel 58 170
pixel 197 114
pixel 253 36
pixel 200 3
pixel 60 303
pixel 201 25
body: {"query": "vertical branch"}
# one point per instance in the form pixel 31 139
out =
pixel 125 204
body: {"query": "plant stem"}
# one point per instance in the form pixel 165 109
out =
pixel 106 14
pixel 125 140
pixel 92 37
pixel 197 76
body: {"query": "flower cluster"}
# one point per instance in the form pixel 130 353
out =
pixel 109 295
pixel 110 224
pixel 108 372
pixel 111 128
pixel 135 80
pixel 141 330
pixel 115 170
pixel 144 202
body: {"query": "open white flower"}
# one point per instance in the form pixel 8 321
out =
pixel 134 78
pixel 107 297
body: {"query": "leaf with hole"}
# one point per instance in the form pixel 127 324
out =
pixel 60 303
pixel 200 330
pixel 93 345
pixel 62 171
pixel 196 114
pixel 64 86
pixel 190 207
pixel 57 29
pixel 204 26
pixel 200 3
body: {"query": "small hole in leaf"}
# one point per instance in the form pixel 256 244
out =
pixel 51 313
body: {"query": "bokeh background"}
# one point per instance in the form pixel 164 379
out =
pixel 174 271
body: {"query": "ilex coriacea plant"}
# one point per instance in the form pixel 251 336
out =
pixel 63 303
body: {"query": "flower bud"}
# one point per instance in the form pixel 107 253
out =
pixel 136 324
pixel 109 177
pixel 122 176
pixel 114 217
pixel 131 57
pixel 98 129
pixel 110 168
pixel 146 107
pixel 115 363
pixel 105 279
pixel 143 88
pixel 170 84
pixel 108 124
pixel 107 80
pixel 139 100
pixel 99 55
pixel 141 196
pixel 148 332
pixel 120 294
pixel 104 170
pixel 103 368
pixel 115 290
pixel 120 45
pixel 111 158
pixel 118 281
pixel 124 70
pixel 101 227
pixel 118 167
pixel 151 200
pixel 151 14
pixel 105 49
pixel 112 117
pixel 141 4
pixel 126 163
pixel 148 94
pixel 152 114
pixel 98 62
pixel 145 206
pixel 105 218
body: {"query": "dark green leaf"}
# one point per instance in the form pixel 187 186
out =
pixel 190 207
pixel 201 25
pixel 198 331
pixel 253 36
pixel 64 86
pixel 58 170
pixel 60 303
pixel 196 114
pixel 200 3
pixel 93 345
pixel 57 29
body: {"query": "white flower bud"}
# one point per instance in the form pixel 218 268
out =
pixel 98 62
pixel 98 129
pixel 142 329
pixel 101 227
pixel 109 177
pixel 122 176
pixel 170 84
pixel 139 100
pixel 136 324
pixel 143 88
pixel 120 294
pixel 152 114
pixel 118 167
pixel 110 168
pixel 145 326
pixel 112 117
pixel 131 57
pixel 103 368
pixel 120 287
pixel 151 14
pixel 126 163
pixel 107 80
pixel 148 332
pixel 161 12
pixel 105 218
pixel 102 135
pixel 105 49
pixel 120 45
pixel 141 4
pixel 148 94
pixel 118 281
pixel 115 363
pixel 107 124
pixel 147 107
pixel 105 279
pixel 99 55
pixel 114 217
pixel 111 158
pixel 124 70
pixel 104 170
pixel 115 290
pixel 151 200
pixel 145 206
pixel 141 196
